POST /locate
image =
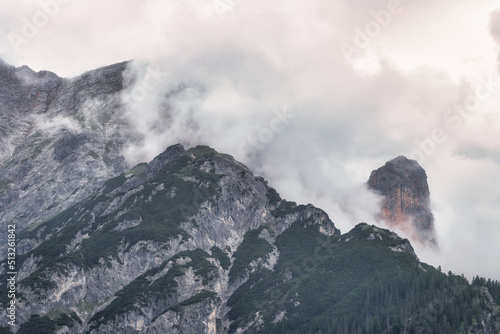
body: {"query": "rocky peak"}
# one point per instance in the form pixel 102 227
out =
pixel 164 158
pixel 406 204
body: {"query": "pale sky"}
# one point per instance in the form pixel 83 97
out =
pixel 362 81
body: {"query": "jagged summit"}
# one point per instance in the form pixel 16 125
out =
pixel 402 163
pixel 406 205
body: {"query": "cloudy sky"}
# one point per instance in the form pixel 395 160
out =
pixel 313 95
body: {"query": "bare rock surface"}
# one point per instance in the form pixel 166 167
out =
pixel 406 204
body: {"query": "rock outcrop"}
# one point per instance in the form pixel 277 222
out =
pixel 406 204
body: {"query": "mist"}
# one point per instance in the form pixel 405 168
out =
pixel 309 97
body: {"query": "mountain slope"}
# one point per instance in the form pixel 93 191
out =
pixel 193 242
pixel 60 139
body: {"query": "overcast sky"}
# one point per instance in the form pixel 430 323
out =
pixel 313 95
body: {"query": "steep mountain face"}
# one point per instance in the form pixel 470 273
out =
pixel 406 204
pixel 193 242
pixel 60 139
pixel 188 227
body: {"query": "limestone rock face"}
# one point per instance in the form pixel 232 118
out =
pixel 406 204
pixel 60 139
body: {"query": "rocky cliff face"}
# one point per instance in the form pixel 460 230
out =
pixel 406 204
pixel 60 139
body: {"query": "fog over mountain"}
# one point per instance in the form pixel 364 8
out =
pixel 305 94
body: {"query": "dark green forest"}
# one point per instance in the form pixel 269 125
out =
pixel 360 285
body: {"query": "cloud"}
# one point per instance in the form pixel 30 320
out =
pixel 495 29
pixel 495 25
pixel 223 76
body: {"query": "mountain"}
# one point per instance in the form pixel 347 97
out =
pixel 60 139
pixel 176 222
pixel 193 242
pixel 406 204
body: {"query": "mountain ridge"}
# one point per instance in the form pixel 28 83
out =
pixel 117 192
